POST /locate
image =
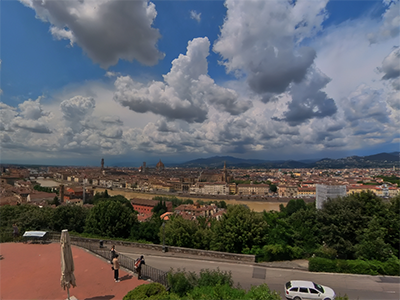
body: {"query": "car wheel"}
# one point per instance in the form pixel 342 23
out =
pixel 296 298
pixel 327 299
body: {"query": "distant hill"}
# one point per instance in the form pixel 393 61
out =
pixel 384 156
pixel 380 160
pixel 218 162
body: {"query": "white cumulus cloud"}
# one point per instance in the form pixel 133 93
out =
pixel 107 30
pixel 187 90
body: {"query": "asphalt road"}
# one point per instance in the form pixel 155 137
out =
pixel 357 287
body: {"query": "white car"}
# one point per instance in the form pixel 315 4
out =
pixel 305 290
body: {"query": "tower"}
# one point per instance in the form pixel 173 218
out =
pixel 225 173
pixel 61 193
pixel 102 164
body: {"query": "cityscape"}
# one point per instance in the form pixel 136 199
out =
pixel 149 209
pixel 266 185
pixel 207 150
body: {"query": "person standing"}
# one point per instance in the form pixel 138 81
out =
pixel 15 231
pixel 138 265
pixel 116 268
pixel 112 253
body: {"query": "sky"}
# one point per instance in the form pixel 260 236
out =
pixel 135 80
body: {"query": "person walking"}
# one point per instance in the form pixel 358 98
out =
pixel 116 268
pixel 138 265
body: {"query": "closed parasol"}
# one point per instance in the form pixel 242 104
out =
pixel 67 262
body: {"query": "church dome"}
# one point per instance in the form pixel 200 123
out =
pixel 160 165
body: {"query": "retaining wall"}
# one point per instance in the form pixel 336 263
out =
pixel 198 252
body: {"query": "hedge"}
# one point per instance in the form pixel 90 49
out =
pixel 370 267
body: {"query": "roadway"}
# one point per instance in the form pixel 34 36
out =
pixel 357 287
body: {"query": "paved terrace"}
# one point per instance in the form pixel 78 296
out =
pixel 33 271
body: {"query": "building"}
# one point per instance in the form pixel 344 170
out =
pixel 196 210
pixel 306 192
pixel 40 197
pixel 325 192
pixel 253 189
pixel 210 188
pixel 145 206
pixel 287 191
pixel 160 165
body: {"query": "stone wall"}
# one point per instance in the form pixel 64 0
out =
pixel 190 251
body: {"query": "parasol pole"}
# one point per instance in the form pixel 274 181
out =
pixel 68 291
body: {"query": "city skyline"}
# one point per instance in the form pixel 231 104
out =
pixel 174 80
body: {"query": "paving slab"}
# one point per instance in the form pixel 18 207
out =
pixel 33 271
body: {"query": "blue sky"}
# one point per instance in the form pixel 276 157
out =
pixel 135 81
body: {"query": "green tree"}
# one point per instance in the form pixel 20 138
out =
pixel 392 224
pixel 56 202
pixel 71 217
pixel 111 219
pixel 36 218
pixel 160 208
pixel 98 196
pixel 273 188
pixel 147 231
pixel 179 232
pixel 239 230
pixel 279 229
pixel 203 236
pixel 118 198
pixel 342 220
pixel 306 229
pixel 221 204
pixel 294 205
pixel 372 245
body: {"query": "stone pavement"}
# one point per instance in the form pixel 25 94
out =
pixel 33 271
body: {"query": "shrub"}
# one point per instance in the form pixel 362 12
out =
pixel 319 264
pixel 370 267
pixel 279 252
pixel 392 266
pixel 227 292
pixel 326 252
pixel 214 277
pixel 360 267
pixel 261 292
pixel 216 292
pixel 345 297
pixel 181 282
pixel 152 291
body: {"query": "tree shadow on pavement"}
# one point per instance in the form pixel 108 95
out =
pixel 106 297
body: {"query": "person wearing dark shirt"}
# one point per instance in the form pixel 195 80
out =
pixel 113 253
pixel 138 265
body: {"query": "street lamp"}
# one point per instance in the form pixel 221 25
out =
pixel 163 241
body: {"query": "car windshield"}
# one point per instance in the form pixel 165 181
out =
pixel 288 285
pixel 318 287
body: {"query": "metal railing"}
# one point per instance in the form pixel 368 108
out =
pixel 148 272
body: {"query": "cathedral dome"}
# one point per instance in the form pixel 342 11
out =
pixel 160 165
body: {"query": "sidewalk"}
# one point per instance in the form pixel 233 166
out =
pixel 33 271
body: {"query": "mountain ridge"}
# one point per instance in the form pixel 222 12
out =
pixel 371 161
